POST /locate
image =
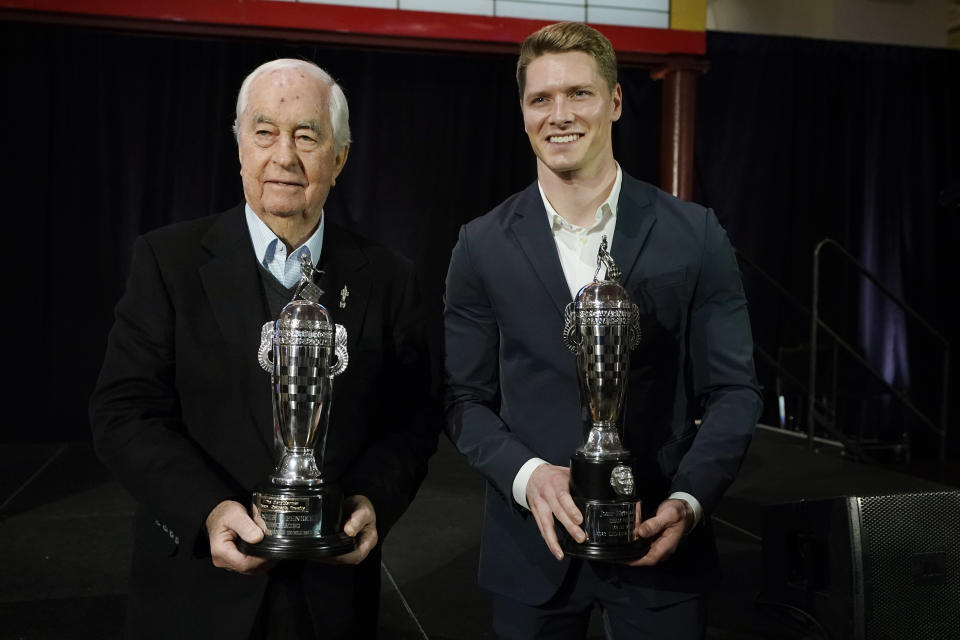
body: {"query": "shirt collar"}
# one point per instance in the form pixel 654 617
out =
pixel 608 206
pixel 265 241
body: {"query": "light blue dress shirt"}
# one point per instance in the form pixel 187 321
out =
pixel 272 253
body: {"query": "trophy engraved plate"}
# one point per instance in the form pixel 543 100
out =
pixel 601 327
pixel 611 522
pixel 298 509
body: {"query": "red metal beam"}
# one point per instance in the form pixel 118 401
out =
pixel 361 21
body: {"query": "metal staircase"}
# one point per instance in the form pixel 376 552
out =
pixel 818 392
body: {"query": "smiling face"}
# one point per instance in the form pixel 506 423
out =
pixel 568 114
pixel 288 160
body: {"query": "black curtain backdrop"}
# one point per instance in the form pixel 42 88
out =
pixel 801 139
pixel 117 133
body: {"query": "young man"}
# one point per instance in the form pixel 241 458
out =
pixel 512 398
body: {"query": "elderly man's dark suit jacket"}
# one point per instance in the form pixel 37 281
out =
pixel 182 411
pixel 512 391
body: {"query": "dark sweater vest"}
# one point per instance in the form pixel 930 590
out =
pixel 275 293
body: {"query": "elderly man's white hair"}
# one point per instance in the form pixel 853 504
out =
pixel 339 111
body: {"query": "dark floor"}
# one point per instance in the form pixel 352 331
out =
pixel 64 543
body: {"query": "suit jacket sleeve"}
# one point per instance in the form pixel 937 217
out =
pixel 721 359
pixel 472 374
pixel 405 424
pixel 135 412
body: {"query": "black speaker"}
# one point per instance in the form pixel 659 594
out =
pixel 868 568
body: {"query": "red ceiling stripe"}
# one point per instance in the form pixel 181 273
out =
pixel 358 20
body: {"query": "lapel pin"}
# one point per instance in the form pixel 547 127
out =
pixel 344 293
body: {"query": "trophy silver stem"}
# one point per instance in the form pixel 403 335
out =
pixel 603 443
pixel 298 467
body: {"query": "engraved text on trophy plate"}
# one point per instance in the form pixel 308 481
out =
pixel 288 516
pixel 610 522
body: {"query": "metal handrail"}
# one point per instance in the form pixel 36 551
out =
pixel 792 299
pixel 816 323
pixel 824 421
pixel 829 426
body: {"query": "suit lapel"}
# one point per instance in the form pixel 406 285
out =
pixel 346 285
pixel 532 231
pixel 233 288
pixel 635 219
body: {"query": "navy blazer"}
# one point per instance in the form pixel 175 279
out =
pixel 512 390
pixel 182 411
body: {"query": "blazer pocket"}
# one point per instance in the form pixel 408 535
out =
pixel 662 297
pixel 671 278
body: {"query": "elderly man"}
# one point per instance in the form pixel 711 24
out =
pixel 182 412
pixel 513 404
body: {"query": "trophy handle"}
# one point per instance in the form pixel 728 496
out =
pixel 340 342
pixel 571 336
pixel 634 334
pixel 266 347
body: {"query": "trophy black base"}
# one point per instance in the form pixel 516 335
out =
pixel 611 512
pixel 299 548
pixel 611 529
pixel 298 522
pixel 604 552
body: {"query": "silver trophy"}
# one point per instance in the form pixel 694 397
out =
pixel 298 509
pixel 602 328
